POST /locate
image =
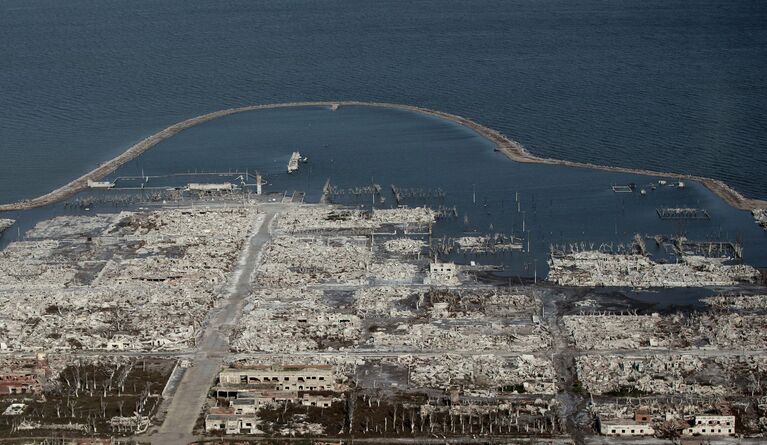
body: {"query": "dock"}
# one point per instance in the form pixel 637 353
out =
pixel 510 148
pixel 682 213
pixel 293 162
pixel 100 184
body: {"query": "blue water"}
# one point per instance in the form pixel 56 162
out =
pixel 663 84
pixel 358 145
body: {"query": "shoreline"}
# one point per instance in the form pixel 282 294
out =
pixel 512 149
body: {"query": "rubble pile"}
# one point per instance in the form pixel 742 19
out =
pixel 298 427
pixel 111 281
pixel 404 246
pixel 72 226
pixel 385 301
pixel 289 320
pixel 472 242
pixel 601 332
pixel 760 216
pixel 418 216
pixel 190 247
pixel 672 374
pixel 593 268
pixel 731 331
pixel 290 261
pixel 103 317
pixel 653 374
pixel 310 218
pixel 726 331
pixel 5 224
pixel 737 302
pixel 459 337
pixel 483 303
pixel 527 373
pixel 36 263
pixel 394 271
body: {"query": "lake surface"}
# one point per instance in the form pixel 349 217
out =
pixel 668 85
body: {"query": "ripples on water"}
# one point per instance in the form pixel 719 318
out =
pixel 668 85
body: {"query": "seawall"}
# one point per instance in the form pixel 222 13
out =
pixel 510 148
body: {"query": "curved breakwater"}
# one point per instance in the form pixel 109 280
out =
pixel 510 148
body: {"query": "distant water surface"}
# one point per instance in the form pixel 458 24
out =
pixel 669 85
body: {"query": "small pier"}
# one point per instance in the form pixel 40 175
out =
pixel 293 163
pixel 682 213
pixel 100 184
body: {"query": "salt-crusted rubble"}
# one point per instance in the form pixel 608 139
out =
pixel 737 302
pixel 324 244
pixel 592 268
pixel 308 218
pixel 695 331
pixel 533 374
pixel 291 261
pixel 669 374
pixel 62 227
pixel 394 271
pixel 404 246
pixel 102 317
pixel 651 374
pixel 760 216
pixel 615 331
pixel 112 281
pixel 461 337
pixel 5 224
pixel 288 320
pixel 385 301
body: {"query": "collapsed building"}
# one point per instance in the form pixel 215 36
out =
pixel 110 281
pixel 732 331
pixel 312 218
pixel 737 302
pixel 652 374
pixel 288 320
pixel 520 374
pixel 404 246
pixel 247 390
pixel 598 269
pixel 21 376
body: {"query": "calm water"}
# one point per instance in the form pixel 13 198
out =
pixel 664 84
pixel 357 146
